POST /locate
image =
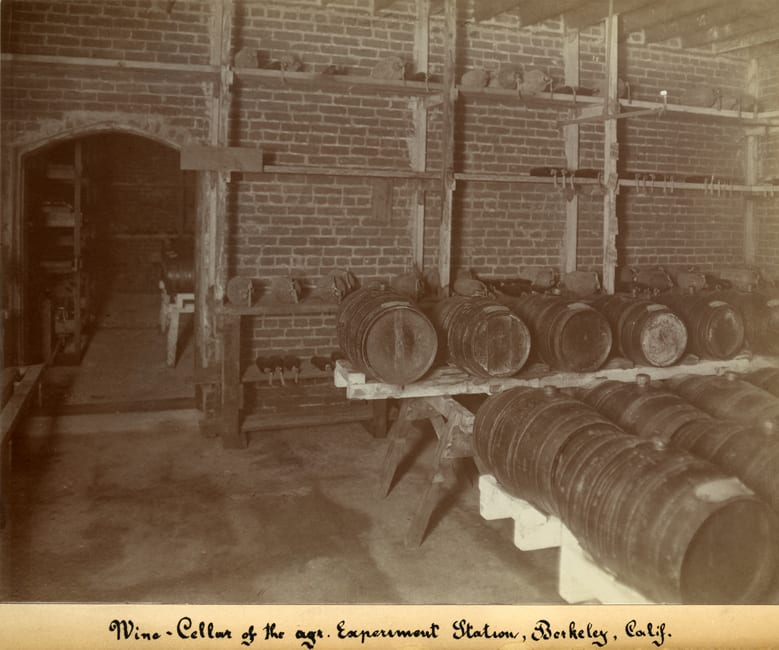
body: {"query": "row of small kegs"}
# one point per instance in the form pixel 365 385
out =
pixel 395 340
pixel 670 486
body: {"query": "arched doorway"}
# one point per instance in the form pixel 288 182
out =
pixel 100 210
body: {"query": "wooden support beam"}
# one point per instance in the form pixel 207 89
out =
pixel 226 159
pixel 610 157
pixel 665 11
pixel 232 435
pixel 688 23
pixel 744 26
pixel 769 36
pixel 381 5
pixel 536 11
pixel 571 135
pixel 447 141
pixel 699 22
pixel 381 201
pixel 751 172
pixel 418 145
pixel 595 11
pixel 486 9
pixel 422 36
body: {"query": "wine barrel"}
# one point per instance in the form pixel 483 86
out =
pixel 518 435
pixel 641 409
pixel 727 397
pixel 674 525
pixel 645 332
pixel 667 523
pixel 567 335
pixel 178 268
pixel 765 378
pixel 761 318
pixel 750 453
pixel 482 337
pixel 715 328
pixel 385 336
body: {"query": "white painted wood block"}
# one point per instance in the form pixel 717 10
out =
pixel 344 375
pixel 533 530
pixel 580 579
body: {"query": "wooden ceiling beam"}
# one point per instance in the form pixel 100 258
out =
pixel 536 11
pixel 664 11
pixel 594 11
pixel 723 32
pixel 379 5
pixel 698 22
pixel 486 9
pixel 757 39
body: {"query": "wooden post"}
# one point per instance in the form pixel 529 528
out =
pixel 447 158
pixel 232 435
pixel 610 154
pixel 78 218
pixel 419 144
pixel 211 216
pixel 571 134
pixel 750 175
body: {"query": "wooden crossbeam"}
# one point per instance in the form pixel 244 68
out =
pixel 665 11
pixel 536 11
pixel 380 5
pixel 490 8
pixel 741 27
pixel 757 39
pixel 596 10
pixel 201 157
pixel 702 22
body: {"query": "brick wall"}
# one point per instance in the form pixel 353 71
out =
pixel 308 225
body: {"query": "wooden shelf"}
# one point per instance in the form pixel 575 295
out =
pixel 342 83
pixel 347 83
pixel 252 375
pixel 280 310
pixel 452 381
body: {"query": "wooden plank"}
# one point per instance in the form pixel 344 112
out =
pixel 232 435
pixel 324 417
pixel 447 146
pixel 571 136
pixel 751 173
pixel 78 317
pixel 381 200
pixel 700 21
pixel 757 39
pixel 418 142
pixel 15 408
pixel 422 36
pixel 452 381
pixel 665 11
pixel 610 156
pixel 594 11
pixel 379 420
pixel 486 9
pixel 742 27
pixel 353 172
pixel 80 62
pixel 381 5
pixel 225 159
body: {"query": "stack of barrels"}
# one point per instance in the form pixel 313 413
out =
pixel 677 526
pixel 487 337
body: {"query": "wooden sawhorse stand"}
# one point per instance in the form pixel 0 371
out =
pixel 184 303
pixel 453 426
